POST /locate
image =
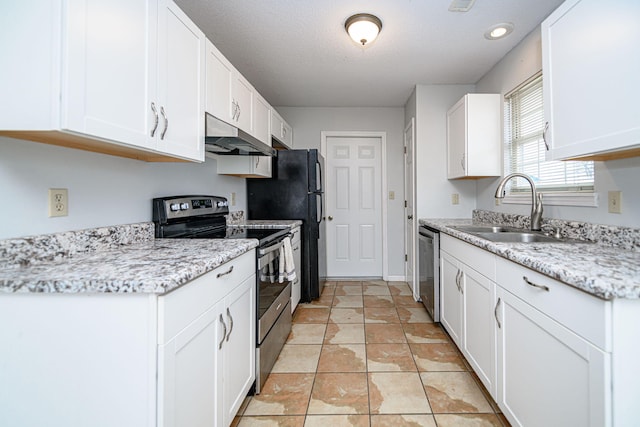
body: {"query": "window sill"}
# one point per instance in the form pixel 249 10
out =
pixel 555 199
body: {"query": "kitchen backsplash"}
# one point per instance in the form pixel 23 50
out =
pixel 610 235
pixel 236 217
pixel 25 251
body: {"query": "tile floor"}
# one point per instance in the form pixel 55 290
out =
pixel 366 354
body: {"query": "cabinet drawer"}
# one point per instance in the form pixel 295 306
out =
pixel 295 235
pixel 482 261
pixel 584 314
pixel 179 308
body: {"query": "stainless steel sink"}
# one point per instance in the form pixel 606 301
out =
pixel 499 233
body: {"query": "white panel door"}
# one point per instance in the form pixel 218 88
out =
pixel 354 206
pixel 411 226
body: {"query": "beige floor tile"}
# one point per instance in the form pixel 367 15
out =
pixel 503 420
pixel 413 315
pixel 329 288
pixel 405 420
pixel 343 358
pixel 390 333
pixel 349 290
pixel 381 315
pixel 343 393
pixel 337 421
pixel 389 358
pixel 347 301
pixel 407 301
pixel 373 289
pixel 308 314
pixel 307 333
pixel 297 358
pixel 344 333
pixel 272 421
pixel 397 393
pixel 399 288
pixel 467 420
pixel 437 357
pixel 347 315
pixel 454 392
pixel 424 333
pixel 325 300
pixel 282 394
pixel 378 301
pixel 348 283
pixel 374 282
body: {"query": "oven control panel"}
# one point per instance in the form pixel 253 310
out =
pixel 168 208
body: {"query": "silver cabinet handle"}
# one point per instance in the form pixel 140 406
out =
pixel 495 313
pixel 530 283
pixel 166 122
pixel 257 160
pixel 230 323
pixel 462 162
pixel 219 275
pixel 544 135
pixel 234 109
pixel 155 125
pixel 458 274
pixel 239 112
pixel 297 248
pixel 224 333
pixel 410 217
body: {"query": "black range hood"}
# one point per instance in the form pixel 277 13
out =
pixel 224 139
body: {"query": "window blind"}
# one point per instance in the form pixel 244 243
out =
pixel 525 149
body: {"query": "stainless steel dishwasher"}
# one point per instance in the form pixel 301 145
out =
pixel 429 270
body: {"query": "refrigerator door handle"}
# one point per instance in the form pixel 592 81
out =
pixel 319 220
pixel 319 184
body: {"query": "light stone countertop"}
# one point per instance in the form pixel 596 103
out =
pixel 155 266
pixel 266 223
pixel 607 272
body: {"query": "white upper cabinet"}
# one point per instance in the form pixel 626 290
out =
pixel 590 69
pixel 135 92
pixel 281 130
pixel 245 166
pixel 218 84
pixel 474 137
pixel 261 119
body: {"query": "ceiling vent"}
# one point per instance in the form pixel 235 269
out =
pixel 461 5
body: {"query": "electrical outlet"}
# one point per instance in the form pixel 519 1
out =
pixel 233 199
pixel 58 202
pixel 455 199
pixel 497 201
pixel 615 201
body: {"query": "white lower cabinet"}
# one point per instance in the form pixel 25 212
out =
pixel 541 348
pixel 547 374
pixel 296 286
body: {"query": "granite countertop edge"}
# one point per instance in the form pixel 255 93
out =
pixel 156 266
pixel 602 271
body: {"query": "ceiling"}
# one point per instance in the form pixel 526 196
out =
pixel 297 53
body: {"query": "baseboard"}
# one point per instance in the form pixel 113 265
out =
pixel 386 279
pixel 396 278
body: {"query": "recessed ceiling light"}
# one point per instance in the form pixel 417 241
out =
pixel 499 31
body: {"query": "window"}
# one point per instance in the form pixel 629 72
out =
pixel 525 149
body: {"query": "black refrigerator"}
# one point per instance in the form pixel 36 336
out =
pixel 295 191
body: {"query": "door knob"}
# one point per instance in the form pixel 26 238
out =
pixel 330 218
pixel 410 217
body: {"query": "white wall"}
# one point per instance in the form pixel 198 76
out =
pixel 307 124
pixel 429 104
pixel 521 63
pixel 103 190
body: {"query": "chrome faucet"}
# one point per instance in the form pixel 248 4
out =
pixel 536 199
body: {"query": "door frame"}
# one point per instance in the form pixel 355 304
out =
pixel 383 157
pixel 411 236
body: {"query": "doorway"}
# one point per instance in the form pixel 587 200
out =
pixel 355 204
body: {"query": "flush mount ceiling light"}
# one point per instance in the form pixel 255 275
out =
pixel 499 31
pixel 363 28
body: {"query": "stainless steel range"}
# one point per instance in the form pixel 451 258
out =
pixel 203 217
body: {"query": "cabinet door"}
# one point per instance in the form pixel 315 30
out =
pixel 245 166
pixel 547 375
pixel 110 54
pixel 296 287
pixel 276 125
pixel 287 134
pixel 479 336
pixel 591 83
pixel 219 72
pixel 239 348
pixel 261 119
pixel 181 62
pixel 451 296
pixel 242 94
pixel 456 140
pixel 187 373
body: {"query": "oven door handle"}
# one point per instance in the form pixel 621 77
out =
pixel 269 249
